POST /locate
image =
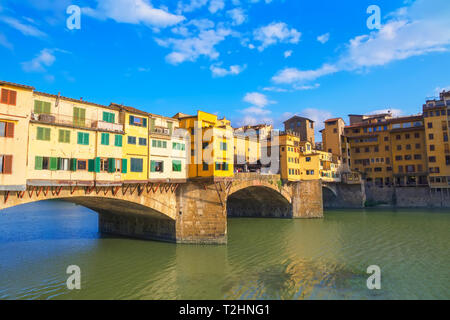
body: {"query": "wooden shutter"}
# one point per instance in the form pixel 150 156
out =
pixel 38 106
pixel 40 133
pixel 46 107
pixel 97 164
pixel 111 165
pixel 91 165
pixel 67 136
pixel 73 164
pixel 9 132
pixel 124 165
pixel 12 97
pixel 38 163
pixel 4 97
pixel 132 120
pixel 47 134
pixel 53 164
pixel 7 164
pixel 61 136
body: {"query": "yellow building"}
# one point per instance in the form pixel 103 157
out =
pixel 290 156
pixel 73 142
pixel 334 141
pixel 436 116
pixel 15 100
pixel 211 147
pixel 309 162
pixel 247 152
pixel 167 150
pixel 135 144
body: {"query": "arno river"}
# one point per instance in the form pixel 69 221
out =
pixel 264 258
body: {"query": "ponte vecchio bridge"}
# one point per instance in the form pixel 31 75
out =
pixel 192 212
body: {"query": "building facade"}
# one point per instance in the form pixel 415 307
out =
pixel 303 127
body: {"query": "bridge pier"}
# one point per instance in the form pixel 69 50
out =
pixel 307 199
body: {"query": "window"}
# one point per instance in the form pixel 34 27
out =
pixel 407 136
pixel 178 146
pixel 432 148
pixel 447 160
pixel 408 157
pixel 6 164
pixel 118 140
pixel 223 146
pixel 8 97
pixel 445 137
pixel 79 116
pixel 417 157
pixel 386 148
pixel 431 136
pixel 46 163
pixel 396 126
pixel 142 141
pixel 205 145
pixel 42 107
pixel 308 159
pixel 205 166
pixel 118 165
pixel 63 164
pixel 430 125
pixel 43 134
pixel 109 117
pixel 399 147
pixel 386 138
pixel 138 121
pixel 416 135
pixel 104 165
pixel 81 164
pixel 431 159
pixel 408 147
pixel 131 140
pixel 398 137
pixel 6 129
pixel 398 158
pixel 83 138
pixel 157 166
pixel 410 169
pixel 400 168
pixel 64 136
pixel 417 145
pixel 159 144
pixel 176 165
pixel 136 165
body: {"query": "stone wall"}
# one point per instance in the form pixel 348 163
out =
pixel 340 195
pixel 307 199
pixel 409 197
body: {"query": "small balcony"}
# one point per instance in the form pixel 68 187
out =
pixel 160 131
pixel 69 121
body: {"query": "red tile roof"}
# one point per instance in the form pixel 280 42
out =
pixel 15 85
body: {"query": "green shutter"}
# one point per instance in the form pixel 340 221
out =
pixel 176 165
pixel 37 106
pixel 53 164
pixel 91 165
pixel 46 107
pixel 124 165
pixel 97 164
pixel 67 136
pixel 47 134
pixel 152 166
pixel 40 133
pixel 152 125
pixel 170 125
pixel 73 164
pixel 38 163
pixel 111 165
pixel 61 135
pixel 86 139
pixel 118 141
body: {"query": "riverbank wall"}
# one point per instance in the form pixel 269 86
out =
pixel 407 197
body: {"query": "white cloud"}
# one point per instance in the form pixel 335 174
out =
pixel 218 71
pixel 274 89
pixel 324 38
pixel 25 29
pixel 257 99
pixel 237 15
pixel 288 53
pixel 274 33
pixel 4 42
pixel 190 49
pixel 293 75
pixel 306 87
pixel 134 12
pixel 438 90
pixel 44 59
pixel 421 28
pixel 216 5
pixel 191 6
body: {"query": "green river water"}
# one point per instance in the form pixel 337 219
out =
pixel 264 258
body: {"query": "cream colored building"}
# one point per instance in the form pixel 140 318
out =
pixel 15 100
pixel 168 150
pixel 73 142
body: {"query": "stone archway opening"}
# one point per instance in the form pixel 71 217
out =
pixel 258 201
pixel 330 199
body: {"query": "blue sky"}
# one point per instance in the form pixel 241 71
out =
pixel 248 60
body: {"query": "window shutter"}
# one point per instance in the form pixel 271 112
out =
pixel 144 122
pixel 112 165
pixel 7 165
pixel 37 106
pixel 12 97
pixel 97 164
pixel 152 166
pixel 47 134
pixel 124 165
pixel 9 130
pixel 152 124
pixel 38 163
pixel 91 165
pixel 40 133
pixel 53 164
pixel 67 137
pixel 73 164
pixel 105 116
pixel 162 166
pixel 118 141
pixel 4 98
pixel 112 118
pixel 132 120
pixel 46 107
pixel 61 136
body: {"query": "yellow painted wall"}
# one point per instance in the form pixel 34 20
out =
pixel 135 151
